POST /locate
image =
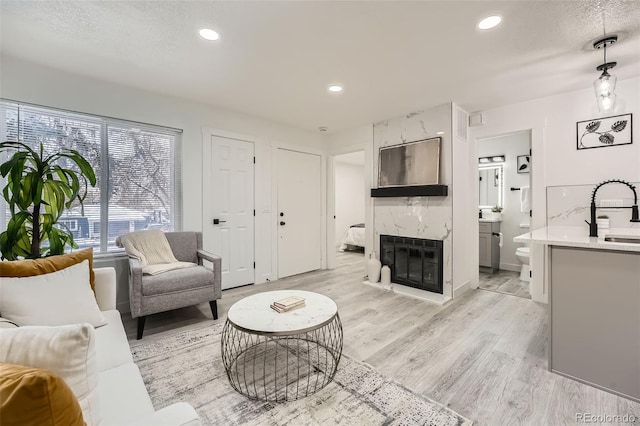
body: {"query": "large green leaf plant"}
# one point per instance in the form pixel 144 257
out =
pixel 38 190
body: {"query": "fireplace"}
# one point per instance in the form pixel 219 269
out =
pixel 414 262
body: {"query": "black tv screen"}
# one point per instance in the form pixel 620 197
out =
pixel 410 164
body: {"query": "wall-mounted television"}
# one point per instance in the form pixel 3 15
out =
pixel 410 164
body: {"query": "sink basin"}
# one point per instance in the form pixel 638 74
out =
pixel 632 240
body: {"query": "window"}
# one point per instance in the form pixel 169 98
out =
pixel 71 225
pixel 137 168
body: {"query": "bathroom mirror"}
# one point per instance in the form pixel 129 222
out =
pixel 491 185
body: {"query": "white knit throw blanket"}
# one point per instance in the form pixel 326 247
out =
pixel 152 250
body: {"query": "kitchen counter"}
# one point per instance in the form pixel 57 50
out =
pixel 487 220
pixel 594 289
pixel 576 236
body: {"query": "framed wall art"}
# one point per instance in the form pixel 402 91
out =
pixel 604 132
pixel 523 163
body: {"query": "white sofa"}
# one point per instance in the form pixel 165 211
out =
pixel 123 396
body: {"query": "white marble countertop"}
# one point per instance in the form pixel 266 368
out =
pixel 253 313
pixel 482 219
pixel 577 236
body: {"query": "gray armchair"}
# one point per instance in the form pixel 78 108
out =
pixel 150 294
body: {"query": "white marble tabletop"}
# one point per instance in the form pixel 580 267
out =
pixel 254 314
pixel 578 236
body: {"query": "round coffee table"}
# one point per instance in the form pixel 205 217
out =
pixel 273 356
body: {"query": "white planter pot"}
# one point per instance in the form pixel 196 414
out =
pixel 386 275
pixel 373 268
pixel 602 223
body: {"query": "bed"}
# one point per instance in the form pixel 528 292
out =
pixel 354 237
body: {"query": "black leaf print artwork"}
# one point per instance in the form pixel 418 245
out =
pixel 619 126
pixel 606 139
pixel 592 138
pixel 522 163
pixel 593 126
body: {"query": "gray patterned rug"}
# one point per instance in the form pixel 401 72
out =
pixel 187 366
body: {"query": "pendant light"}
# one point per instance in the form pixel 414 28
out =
pixel 605 85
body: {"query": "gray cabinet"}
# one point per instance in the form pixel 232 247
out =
pixel 595 320
pixel 489 248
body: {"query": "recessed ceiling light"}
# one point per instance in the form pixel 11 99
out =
pixel 489 22
pixel 208 34
pixel 323 128
pixel 334 88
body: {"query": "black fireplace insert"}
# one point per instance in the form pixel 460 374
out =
pixel 414 262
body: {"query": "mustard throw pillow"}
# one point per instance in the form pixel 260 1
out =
pixel 47 265
pixel 33 396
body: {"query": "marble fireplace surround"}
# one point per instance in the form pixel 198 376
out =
pixel 418 217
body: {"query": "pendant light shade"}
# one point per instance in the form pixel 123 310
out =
pixel 605 85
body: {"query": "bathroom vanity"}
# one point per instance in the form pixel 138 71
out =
pixel 594 294
pixel 489 239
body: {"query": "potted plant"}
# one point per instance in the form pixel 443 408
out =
pixel 39 188
pixel 602 221
pixel 496 212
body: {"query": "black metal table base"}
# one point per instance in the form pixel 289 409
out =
pixel 280 367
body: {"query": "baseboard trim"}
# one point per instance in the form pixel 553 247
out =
pixel 462 289
pixel 510 267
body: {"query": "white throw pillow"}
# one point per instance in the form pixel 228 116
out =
pixel 58 298
pixel 67 350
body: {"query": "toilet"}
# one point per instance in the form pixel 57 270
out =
pixel 522 253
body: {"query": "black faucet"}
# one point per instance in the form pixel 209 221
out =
pixel 593 226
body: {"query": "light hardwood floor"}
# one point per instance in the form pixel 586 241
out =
pixel 483 355
pixel 507 282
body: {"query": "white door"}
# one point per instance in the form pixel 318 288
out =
pixel 299 212
pixel 229 227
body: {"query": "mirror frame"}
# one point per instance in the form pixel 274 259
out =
pixel 500 168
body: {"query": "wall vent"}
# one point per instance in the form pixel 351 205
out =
pixel 476 119
pixel 461 120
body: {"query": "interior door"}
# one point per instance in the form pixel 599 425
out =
pixel 299 212
pixel 229 228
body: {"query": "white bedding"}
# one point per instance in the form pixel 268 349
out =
pixel 353 237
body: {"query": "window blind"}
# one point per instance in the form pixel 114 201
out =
pixel 137 166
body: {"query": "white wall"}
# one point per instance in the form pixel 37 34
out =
pixel 349 196
pixel 32 83
pixel 464 271
pixel 511 146
pixel 556 161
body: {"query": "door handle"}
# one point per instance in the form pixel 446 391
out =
pixel 218 221
pixel 282 223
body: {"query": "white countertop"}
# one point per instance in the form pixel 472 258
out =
pixel 253 312
pixel 577 236
pixel 481 220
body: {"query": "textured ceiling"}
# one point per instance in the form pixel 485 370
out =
pixel 275 59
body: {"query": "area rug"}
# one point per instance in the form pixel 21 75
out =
pixel 187 366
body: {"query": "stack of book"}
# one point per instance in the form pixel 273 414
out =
pixel 288 304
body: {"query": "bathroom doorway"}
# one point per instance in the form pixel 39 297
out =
pixel 504 212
